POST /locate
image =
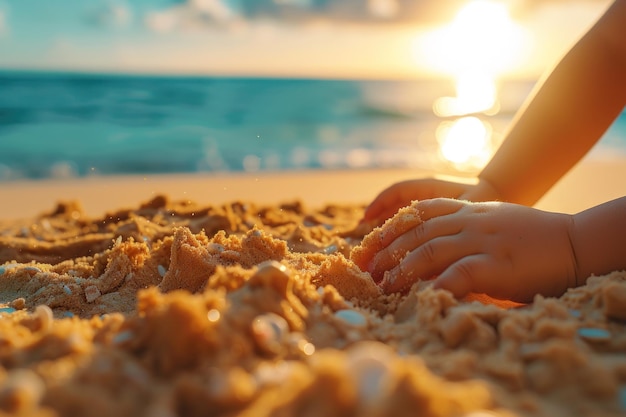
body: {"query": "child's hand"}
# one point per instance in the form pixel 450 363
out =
pixel 504 250
pixel 399 195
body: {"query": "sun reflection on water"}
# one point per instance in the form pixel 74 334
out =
pixel 475 49
pixel 475 93
pixel 466 142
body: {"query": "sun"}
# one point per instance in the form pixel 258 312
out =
pixel 481 38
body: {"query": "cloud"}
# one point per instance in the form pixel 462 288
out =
pixel 192 14
pixel 111 14
pixel 357 11
pixel 197 14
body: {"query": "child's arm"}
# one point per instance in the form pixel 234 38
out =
pixel 566 116
pixel 598 238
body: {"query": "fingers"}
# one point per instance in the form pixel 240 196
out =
pixel 388 202
pixel 438 207
pixel 418 245
pixel 428 260
pixel 504 250
pixel 427 209
pixel 481 273
pixel 439 245
pixel 463 276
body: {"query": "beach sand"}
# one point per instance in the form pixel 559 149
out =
pixel 236 295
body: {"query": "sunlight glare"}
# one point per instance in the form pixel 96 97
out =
pixel 465 142
pixel 482 38
pixel 476 49
pixel 475 92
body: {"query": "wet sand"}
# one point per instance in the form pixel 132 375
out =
pixel 591 182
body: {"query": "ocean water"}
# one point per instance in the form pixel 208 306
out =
pixel 68 125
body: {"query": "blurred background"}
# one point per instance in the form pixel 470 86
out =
pixel 112 87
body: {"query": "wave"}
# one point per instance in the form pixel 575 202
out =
pixel 63 125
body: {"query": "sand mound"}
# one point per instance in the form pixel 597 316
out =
pixel 241 310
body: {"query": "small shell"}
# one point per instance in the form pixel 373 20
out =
pixel 32 269
pixel 330 249
pixel 369 365
pixel 269 331
pixel 45 316
pixel 123 337
pixel 67 290
pixel 7 267
pixel 18 303
pixel 594 334
pixel 215 248
pixel 271 268
pixel 92 293
pixel 352 317
pixel 271 273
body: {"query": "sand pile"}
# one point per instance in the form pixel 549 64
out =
pixel 172 309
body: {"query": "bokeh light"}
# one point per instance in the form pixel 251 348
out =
pixel 466 143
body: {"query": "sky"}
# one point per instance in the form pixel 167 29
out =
pixel 318 38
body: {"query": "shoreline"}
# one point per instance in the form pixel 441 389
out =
pixel 591 182
pixel 99 195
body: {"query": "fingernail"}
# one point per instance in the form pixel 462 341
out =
pixel 383 284
pixel 387 281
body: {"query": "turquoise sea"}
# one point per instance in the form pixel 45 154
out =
pixel 66 125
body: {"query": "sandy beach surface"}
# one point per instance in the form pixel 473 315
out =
pixel 238 295
pixel 592 182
